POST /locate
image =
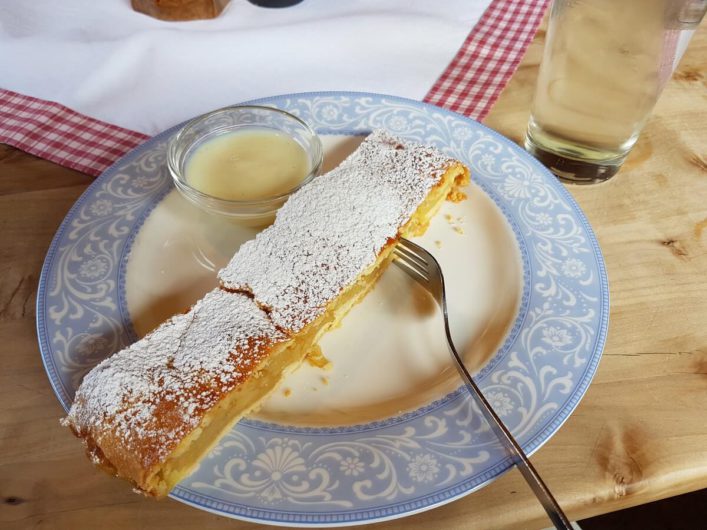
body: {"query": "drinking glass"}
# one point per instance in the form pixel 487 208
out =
pixel 604 66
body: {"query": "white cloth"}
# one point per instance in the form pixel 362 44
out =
pixel 107 61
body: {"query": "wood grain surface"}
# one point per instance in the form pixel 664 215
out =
pixel 640 434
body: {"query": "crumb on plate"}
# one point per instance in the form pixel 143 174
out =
pixel 316 358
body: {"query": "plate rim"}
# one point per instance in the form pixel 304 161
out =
pixel 362 516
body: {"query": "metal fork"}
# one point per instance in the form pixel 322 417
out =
pixel 422 267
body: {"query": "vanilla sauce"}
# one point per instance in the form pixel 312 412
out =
pixel 247 165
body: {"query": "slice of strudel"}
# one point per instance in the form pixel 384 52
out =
pixel 150 412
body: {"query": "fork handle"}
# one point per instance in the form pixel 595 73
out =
pixel 520 459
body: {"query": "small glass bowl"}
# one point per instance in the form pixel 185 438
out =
pixel 232 119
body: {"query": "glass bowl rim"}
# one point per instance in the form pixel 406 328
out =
pixel 182 184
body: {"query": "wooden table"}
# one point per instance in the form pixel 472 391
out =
pixel 640 434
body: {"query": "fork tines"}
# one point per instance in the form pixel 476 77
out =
pixel 407 256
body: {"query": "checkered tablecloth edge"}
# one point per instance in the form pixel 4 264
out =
pixel 488 58
pixel 469 85
pixel 54 132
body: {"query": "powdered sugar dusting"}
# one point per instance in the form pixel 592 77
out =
pixel 136 406
pixel 151 394
pixel 332 230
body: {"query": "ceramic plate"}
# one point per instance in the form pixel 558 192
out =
pixel 387 431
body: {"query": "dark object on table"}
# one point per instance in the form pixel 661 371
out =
pixel 274 3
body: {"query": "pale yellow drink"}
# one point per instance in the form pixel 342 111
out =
pixel 247 165
pixel 604 65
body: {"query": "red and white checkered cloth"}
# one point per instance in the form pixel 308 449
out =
pixel 488 58
pixel 57 133
pixel 470 85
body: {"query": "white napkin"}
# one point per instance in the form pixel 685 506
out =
pixel 107 61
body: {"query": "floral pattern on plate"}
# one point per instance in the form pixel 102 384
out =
pixel 329 476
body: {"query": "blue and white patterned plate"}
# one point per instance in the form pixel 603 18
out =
pixel 291 468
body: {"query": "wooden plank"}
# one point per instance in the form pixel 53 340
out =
pixel 639 434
